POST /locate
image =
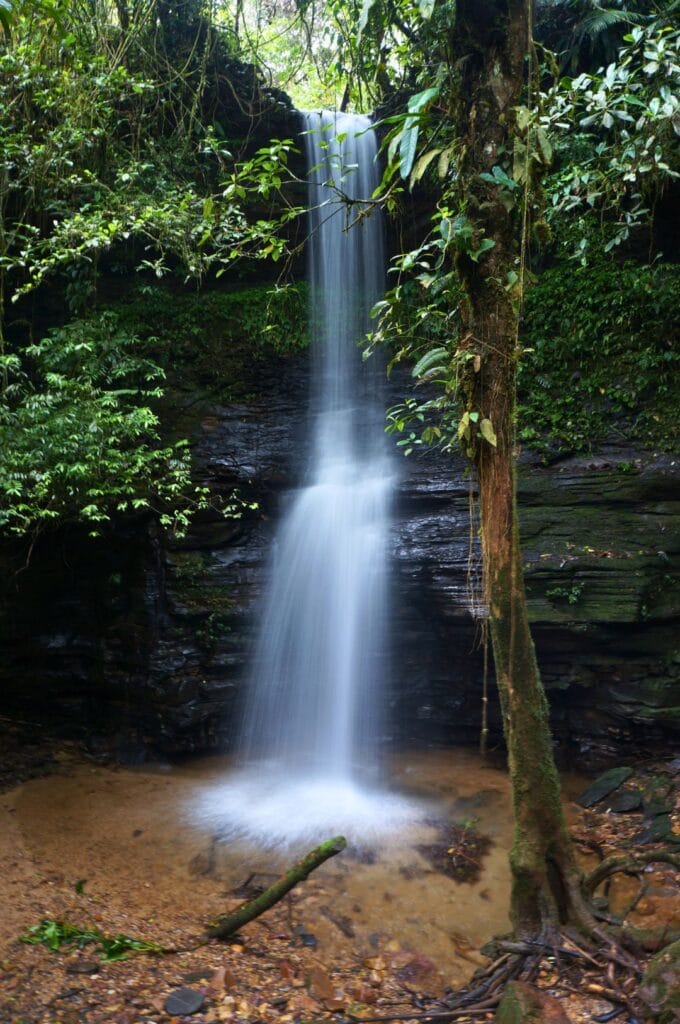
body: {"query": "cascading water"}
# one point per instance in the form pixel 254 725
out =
pixel 312 720
pixel 313 701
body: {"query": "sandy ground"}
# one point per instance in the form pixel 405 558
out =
pixel 118 850
pixel 373 932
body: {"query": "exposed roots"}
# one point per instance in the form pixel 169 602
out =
pixel 629 865
pixel 608 972
pixel 584 957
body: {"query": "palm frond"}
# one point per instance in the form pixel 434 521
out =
pixel 599 21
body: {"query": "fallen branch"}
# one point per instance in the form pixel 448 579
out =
pixel 227 924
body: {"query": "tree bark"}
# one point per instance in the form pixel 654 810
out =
pixel 491 40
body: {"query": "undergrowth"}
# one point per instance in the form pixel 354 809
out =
pixel 58 934
pixel 219 340
pixel 603 359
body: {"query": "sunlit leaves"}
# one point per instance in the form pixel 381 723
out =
pixel 402 139
pixel 364 15
pixel 628 114
pixel 78 438
pixel 434 360
pixel 6 17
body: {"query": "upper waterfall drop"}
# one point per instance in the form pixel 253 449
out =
pixel 315 701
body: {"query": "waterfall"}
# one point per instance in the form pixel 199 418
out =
pixel 314 699
pixel 312 723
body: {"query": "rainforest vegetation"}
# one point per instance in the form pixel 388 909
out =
pixel 134 166
pixel 152 235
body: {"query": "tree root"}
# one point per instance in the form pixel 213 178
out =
pixel 629 865
pixel 607 970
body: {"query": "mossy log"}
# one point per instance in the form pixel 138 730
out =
pixel 227 924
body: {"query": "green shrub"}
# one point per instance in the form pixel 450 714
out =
pixel 603 355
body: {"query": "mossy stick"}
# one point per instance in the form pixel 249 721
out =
pixel 227 924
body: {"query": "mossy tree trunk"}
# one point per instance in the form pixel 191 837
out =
pixel 491 40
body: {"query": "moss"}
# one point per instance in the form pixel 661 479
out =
pixel 601 356
pixel 219 341
pixel 524 1004
pixel 660 988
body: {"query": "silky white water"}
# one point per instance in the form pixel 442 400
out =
pixel 313 720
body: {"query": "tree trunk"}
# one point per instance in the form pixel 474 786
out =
pixel 491 40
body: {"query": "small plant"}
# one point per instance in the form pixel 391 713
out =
pixel 570 594
pixel 55 934
pixel 602 356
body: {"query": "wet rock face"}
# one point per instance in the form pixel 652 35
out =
pixel 136 636
pixel 601 554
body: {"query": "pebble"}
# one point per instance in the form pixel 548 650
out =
pixel 184 1001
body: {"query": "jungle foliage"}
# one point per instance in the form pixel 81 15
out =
pixel 485 124
pixel 114 163
pixel 593 160
pixel 533 178
pixel 123 161
pixel 603 359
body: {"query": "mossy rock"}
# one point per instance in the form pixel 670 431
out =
pixel 603 786
pixel 660 988
pixel 524 1004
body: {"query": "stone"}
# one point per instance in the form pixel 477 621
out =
pixel 418 973
pixel 658 796
pixel 305 937
pixel 524 1004
pixel 603 786
pixel 659 830
pixel 83 967
pixel 320 985
pixel 200 975
pixel 625 802
pixel 660 987
pixel 184 1001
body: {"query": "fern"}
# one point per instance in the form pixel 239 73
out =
pixel 599 21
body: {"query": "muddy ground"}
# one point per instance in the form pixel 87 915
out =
pixel 373 933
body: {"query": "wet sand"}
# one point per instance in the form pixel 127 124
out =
pixel 129 838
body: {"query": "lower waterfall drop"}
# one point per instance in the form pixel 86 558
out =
pixel 313 719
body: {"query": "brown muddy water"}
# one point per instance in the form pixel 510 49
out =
pixel 130 836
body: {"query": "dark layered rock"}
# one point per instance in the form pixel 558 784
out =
pixel 138 636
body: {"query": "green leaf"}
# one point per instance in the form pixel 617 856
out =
pixel 395 142
pixel 420 99
pixel 499 177
pixel 484 246
pixel 519 161
pixel 544 147
pixel 6 17
pixel 426 8
pixel 430 359
pixel 464 426
pixel 487 432
pixel 444 161
pixel 423 164
pixel 408 147
pixel 523 117
pixel 363 17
